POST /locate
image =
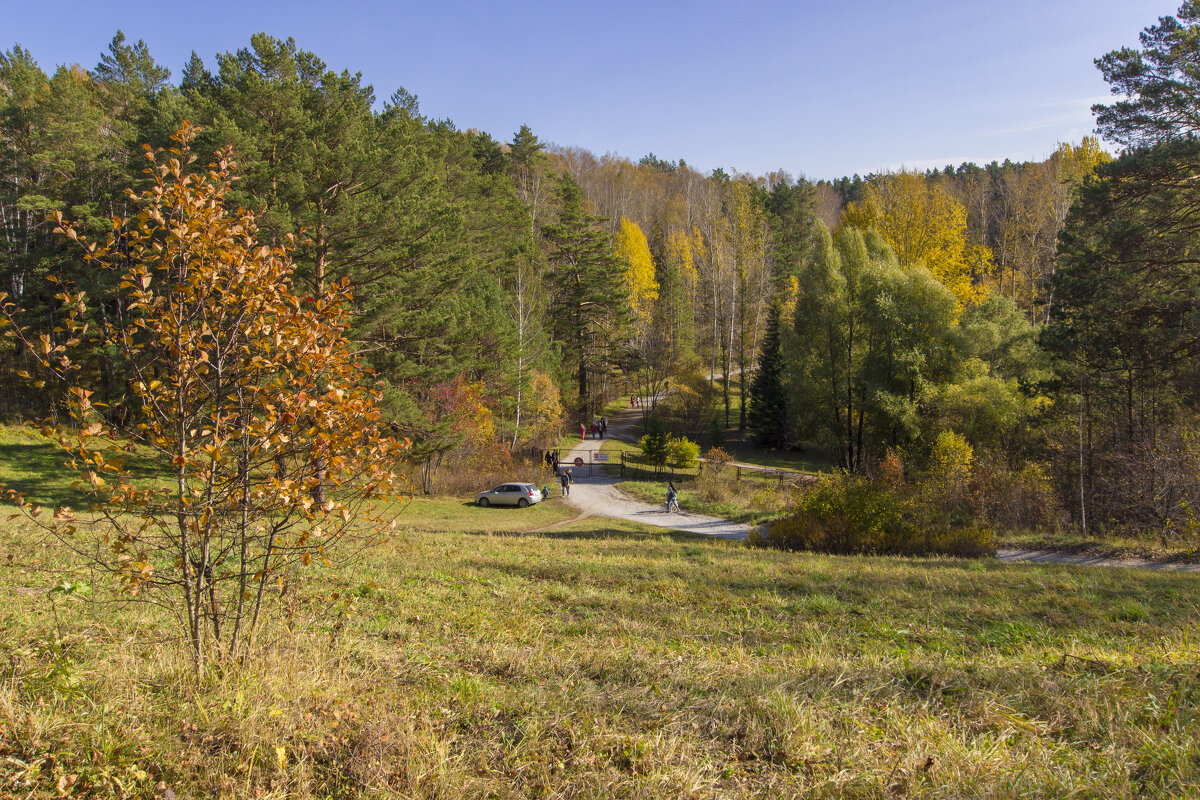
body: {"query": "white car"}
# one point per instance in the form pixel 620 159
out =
pixel 511 494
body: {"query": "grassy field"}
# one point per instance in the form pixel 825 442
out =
pixel 603 659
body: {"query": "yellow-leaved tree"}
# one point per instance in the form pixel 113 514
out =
pixel 247 394
pixel 927 227
pixel 634 251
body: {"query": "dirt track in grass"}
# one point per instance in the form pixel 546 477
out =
pixel 595 493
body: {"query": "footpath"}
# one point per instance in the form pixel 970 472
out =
pixel 595 493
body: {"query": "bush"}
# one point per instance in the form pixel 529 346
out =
pixel 690 407
pixel 852 515
pixel 718 459
pixel 655 443
pixel 1020 500
pixel 949 472
pixel 713 487
pixel 459 477
pixel 682 453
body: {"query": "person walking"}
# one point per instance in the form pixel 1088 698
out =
pixel 672 497
pixel 603 427
pixel 582 431
pixel 564 480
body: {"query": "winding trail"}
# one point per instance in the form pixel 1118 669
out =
pixel 595 493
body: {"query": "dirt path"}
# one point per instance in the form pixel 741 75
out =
pixel 1084 560
pixel 598 495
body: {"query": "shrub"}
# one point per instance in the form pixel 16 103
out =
pixel 850 515
pixel 718 459
pixel 950 466
pixel 1017 500
pixel 682 453
pixel 713 487
pixel 768 500
pixel 655 443
pixel 690 407
pixel 891 470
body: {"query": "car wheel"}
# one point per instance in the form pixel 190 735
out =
pixel 522 503
pixel 483 502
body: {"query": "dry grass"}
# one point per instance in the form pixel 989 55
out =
pixel 608 661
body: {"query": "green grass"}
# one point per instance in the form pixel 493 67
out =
pixel 742 446
pixel 604 659
pixel 461 514
pixel 37 468
pixel 746 503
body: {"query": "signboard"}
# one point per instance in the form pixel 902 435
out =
pixel 598 456
pixel 579 461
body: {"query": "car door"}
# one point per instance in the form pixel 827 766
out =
pixel 508 495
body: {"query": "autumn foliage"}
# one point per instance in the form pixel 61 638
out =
pixel 248 395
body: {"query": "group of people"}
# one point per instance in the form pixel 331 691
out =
pixel 566 478
pixel 597 430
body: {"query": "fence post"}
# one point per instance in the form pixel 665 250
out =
pixel 739 475
pixel 622 463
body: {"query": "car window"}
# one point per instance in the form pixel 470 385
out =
pixel 499 489
pixel 511 488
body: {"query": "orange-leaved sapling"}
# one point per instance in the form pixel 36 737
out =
pixel 272 447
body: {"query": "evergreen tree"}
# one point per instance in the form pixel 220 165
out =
pixel 791 211
pixel 1159 84
pixel 768 417
pixel 382 198
pixel 589 304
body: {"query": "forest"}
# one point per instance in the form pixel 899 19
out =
pixel 1028 327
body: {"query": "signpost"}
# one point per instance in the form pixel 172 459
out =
pixel 579 461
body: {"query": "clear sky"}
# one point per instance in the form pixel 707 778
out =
pixel 818 88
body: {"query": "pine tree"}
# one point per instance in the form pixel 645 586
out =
pixel 768 414
pixel 589 304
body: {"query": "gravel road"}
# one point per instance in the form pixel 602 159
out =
pixel 597 495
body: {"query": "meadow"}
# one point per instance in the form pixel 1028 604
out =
pixel 471 657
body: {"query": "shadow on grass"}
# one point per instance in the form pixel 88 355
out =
pixel 602 532
pixel 39 470
pixel 607 532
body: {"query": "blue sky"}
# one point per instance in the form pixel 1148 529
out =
pixel 821 89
